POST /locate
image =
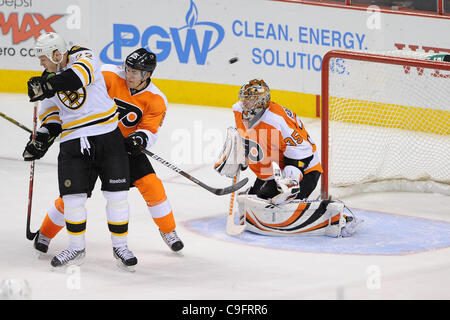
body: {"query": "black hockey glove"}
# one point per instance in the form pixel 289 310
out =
pixel 36 149
pixel 39 89
pixel 135 141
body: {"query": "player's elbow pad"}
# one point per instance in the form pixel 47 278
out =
pixel 65 81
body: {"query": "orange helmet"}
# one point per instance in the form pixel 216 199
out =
pixel 255 98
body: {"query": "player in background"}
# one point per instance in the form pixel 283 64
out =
pixel 273 142
pixel 141 108
pixel 76 106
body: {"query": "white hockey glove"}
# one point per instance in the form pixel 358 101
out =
pixel 287 183
pixel 232 158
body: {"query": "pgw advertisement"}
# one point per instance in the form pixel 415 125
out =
pixel 195 39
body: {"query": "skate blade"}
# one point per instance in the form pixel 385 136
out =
pixel 123 267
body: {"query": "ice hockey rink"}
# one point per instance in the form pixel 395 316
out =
pixel 401 251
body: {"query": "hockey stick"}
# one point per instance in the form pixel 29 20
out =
pixel 216 191
pixel 167 164
pixel 30 235
pixel 15 122
pixel 232 228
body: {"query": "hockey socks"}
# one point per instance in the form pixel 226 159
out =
pixel 166 223
pixel 75 216
pixel 54 220
pixel 117 214
pixel 152 190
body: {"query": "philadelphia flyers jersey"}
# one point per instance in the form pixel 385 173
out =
pixel 143 111
pixel 88 111
pixel 279 133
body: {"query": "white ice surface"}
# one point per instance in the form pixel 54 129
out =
pixel 207 268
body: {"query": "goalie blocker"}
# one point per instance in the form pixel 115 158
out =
pixel 298 217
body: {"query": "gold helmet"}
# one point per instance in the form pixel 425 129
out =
pixel 255 98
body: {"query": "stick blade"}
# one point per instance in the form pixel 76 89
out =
pixel 233 229
pixel 31 235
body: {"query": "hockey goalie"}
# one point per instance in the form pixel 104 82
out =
pixel 273 142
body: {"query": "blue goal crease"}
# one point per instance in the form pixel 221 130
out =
pixel 379 234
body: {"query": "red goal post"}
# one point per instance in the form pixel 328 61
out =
pixel 393 96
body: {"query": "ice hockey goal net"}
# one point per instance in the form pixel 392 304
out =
pixel 385 123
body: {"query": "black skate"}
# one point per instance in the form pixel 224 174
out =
pixel 172 240
pixel 41 243
pixel 125 258
pixel 68 257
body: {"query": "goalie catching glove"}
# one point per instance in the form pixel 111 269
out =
pixel 232 159
pixel 287 181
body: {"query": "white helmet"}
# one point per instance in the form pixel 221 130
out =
pixel 47 43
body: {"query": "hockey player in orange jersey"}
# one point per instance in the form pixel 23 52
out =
pixel 272 141
pixel 141 107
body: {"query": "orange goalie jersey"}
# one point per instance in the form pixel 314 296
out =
pixel 143 111
pixel 279 133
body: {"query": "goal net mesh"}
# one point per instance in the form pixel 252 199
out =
pixel 389 126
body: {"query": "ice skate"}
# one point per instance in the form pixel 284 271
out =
pixel 41 243
pixel 172 240
pixel 351 225
pixel 125 258
pixel 68 257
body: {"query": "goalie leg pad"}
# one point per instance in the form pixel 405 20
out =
pixel 319 217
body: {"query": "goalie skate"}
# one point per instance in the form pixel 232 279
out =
pixel 351 225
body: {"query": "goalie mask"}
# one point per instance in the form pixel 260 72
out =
pixel 255 98
pixel 47 43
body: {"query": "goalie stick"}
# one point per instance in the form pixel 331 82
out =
pixel 216 191
pixel 30 235
pixel 232 228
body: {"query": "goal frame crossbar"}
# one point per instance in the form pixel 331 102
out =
pixel 325 98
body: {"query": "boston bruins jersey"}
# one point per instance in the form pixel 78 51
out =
pixel 278 135
pixel 88 111
pixel 143 111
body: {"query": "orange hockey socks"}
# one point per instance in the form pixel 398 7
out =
pixel 54 220
pixel 152 190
